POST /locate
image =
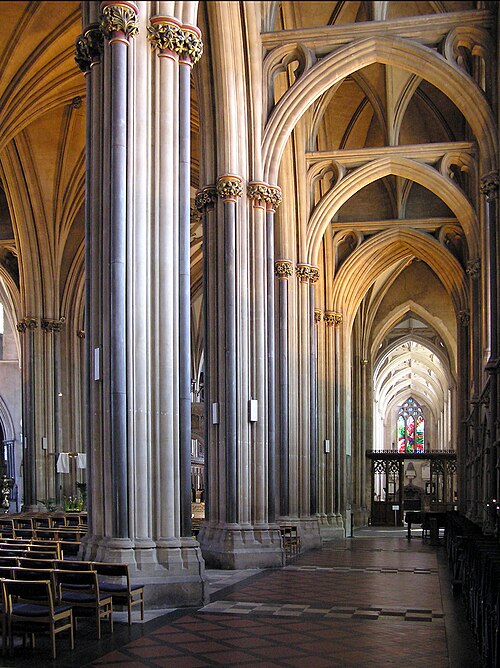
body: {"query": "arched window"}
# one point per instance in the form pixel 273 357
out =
pixel 411 425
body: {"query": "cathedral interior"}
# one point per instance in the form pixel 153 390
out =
pixel 249 275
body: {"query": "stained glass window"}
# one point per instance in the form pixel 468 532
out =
pixel 411 426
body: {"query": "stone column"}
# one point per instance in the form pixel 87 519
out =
pixel 463 399
pixel 334 320
pixel 313 425
pixel 205 201
pixel 229 189
pixel 239 533
pixel 272 197
pixel 89 47
pixel 27 328
pixel 53 357
pixel 189 54
pixel 119 23
pixel 489 188
pixel 283 271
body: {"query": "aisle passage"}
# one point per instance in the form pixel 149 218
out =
pixel 365 601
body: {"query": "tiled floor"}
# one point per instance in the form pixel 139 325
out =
pixel 373 600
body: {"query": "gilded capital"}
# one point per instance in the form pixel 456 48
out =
pixel 205 197
pixel 332 318
pixel 89 47
pixel 275 196
pixel 318 315
pixel 168 35
pixel 165 34
pixel 81 333
pixel 489 185
pixel 258 191
pixel 263 192
pixel 229 187
pixel 313 275
pixel 302 271
pixel 283 269
pixel 118 20
pixel 192 49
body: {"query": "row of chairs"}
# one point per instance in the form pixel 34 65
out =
pixel 48 596
pixel 474 561
pixel 57 549
pixel 62 533
pixel 42 520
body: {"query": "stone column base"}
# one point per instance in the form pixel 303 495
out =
pixel 234 547
pixel 172 571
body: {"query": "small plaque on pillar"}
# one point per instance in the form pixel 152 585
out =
pixel 253 410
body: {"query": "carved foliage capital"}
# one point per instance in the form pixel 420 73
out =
pixel 307 273
pixel 283 269
pixel 167 34
pixel 313 275
pixel 205 197
pixel 489 185
pixel 119 18
pixel 229 187
pixel 473 267
pixel 318 315
pixel 89 47
pixel 263 192
pixel 464 317
pixel 48 325
pixel 332 318
pixel 26 323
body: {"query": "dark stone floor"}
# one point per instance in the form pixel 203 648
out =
pixel 376 599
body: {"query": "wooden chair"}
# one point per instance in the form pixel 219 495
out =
pixel 6 573
pixel 115 580
pixel 30 608
pixel 290 540
pixel 86 600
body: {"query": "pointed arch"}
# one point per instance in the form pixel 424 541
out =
pixel 405 54
pixel 377 254
pixel 426 176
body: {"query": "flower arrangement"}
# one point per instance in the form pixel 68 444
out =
pixel 72 503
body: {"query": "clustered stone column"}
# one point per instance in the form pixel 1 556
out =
pixel 27 327
pixel 138 296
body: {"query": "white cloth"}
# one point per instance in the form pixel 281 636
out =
pixel 63 463
pixel 81 461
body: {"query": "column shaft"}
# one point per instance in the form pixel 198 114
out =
pixel 230 360
pixel 184 296
pixel 118 409
pixel 283 397
pixel 271 368
pixel 314 406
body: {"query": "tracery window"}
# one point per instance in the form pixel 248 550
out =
pixel 411 425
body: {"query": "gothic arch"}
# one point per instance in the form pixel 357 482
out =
pixel 405 54
pixel 9 431
pixel 432 321
pixel 423 174
pixel 377 254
